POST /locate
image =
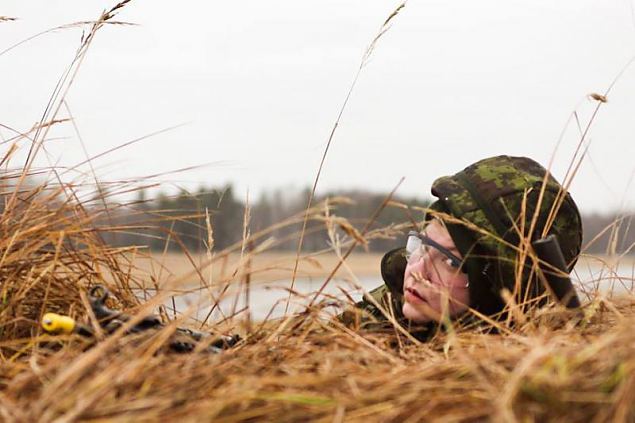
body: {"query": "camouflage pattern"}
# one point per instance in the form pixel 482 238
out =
pixel 393 266
pixel 366 314
pixel 368 317
pixel 496 199
pixel 492 204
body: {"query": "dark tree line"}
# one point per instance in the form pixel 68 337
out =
pixel 183 220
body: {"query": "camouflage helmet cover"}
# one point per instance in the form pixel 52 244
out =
pixel 497 199
pixel 492 204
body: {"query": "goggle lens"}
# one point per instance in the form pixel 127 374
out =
pixel 418 245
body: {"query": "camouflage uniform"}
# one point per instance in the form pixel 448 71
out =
pixel 488 209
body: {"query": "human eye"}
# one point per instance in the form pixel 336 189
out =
pixel 451 263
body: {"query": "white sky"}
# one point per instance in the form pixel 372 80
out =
pixel 259 85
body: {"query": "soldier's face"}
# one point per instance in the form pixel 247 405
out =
pixel 432 287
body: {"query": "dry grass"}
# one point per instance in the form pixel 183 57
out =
pixel 302 367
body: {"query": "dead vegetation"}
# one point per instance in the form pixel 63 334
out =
pixel 293 369
pixel 303 367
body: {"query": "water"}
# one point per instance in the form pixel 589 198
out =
pixel 269 300
pixel 609 279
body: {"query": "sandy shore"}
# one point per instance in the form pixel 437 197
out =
pixel 264 267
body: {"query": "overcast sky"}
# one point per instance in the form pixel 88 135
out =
pixel 258 85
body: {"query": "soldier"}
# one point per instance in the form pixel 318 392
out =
pixel 474 252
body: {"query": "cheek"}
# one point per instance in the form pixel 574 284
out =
pixel 411 269
pixel 462 296
pixel 460 293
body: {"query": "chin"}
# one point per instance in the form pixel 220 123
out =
pixel 413 314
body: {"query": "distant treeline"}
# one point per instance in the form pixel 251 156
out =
pixel 183 220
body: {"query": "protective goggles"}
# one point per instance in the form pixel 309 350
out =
pixel 419 245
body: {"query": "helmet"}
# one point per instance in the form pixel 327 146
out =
pixel 491 208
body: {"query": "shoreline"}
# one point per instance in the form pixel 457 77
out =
pixel 273 266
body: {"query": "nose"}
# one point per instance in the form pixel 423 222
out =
pixel 421 266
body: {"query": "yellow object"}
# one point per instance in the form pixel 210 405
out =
pixel 56 323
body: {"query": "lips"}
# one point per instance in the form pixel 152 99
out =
pixel 412 296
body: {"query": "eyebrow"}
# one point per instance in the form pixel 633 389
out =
pixel 452 248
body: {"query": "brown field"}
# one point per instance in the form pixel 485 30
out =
pixel 535 365
pixel 544 365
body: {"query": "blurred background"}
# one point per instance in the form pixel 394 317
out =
pixel 251 91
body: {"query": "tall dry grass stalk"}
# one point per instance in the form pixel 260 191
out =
pixel 364 61
pixel 301 367
pixel 546 365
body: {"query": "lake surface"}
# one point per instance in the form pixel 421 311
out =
pixel 270 300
